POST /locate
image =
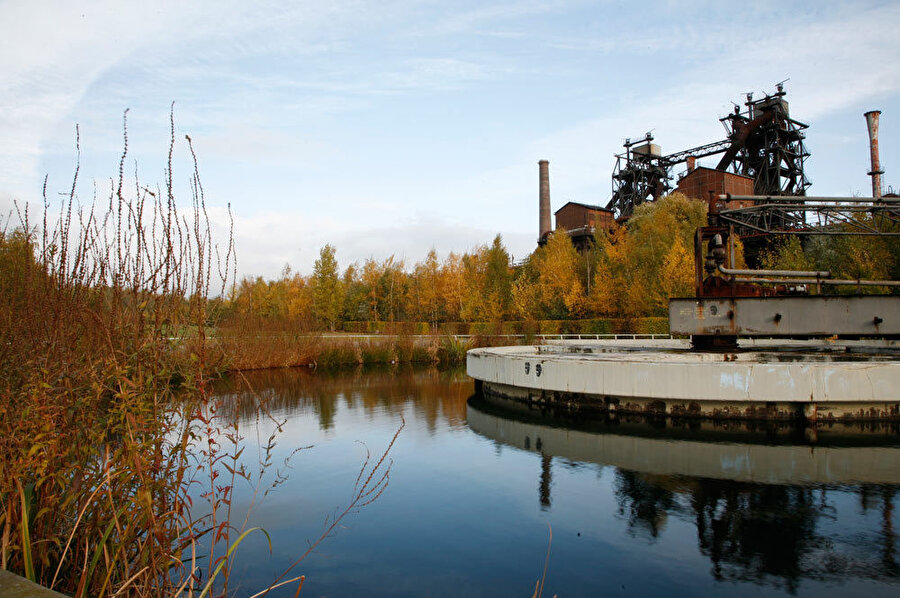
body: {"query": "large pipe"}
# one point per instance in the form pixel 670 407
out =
pixel 794 273
pixel 876 172
pixel 544 226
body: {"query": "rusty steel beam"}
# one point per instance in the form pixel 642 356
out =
pixel 805 316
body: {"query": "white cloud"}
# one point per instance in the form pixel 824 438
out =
pixel 291 96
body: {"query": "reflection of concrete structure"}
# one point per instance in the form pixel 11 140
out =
pixel 763 513
pixel 763 380
pixel 743 462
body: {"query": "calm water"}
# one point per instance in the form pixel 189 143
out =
pixel 636 509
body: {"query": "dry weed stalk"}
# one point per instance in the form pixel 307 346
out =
pixel 103 312
pixel 107 432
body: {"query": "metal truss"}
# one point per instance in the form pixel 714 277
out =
pixel 762 143
pixel 790 215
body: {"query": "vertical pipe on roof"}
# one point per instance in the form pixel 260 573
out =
pixel 876 172
pixel 544 226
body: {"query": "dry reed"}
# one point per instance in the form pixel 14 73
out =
pixel 108 438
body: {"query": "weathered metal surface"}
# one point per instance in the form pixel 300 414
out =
pixel 786 215
pixel 738 461
pixel 667 380
pixel 875 315
pixel 872 118
pixel 764 143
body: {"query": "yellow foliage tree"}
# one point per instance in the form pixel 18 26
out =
pixel 676 274
pixel 560 289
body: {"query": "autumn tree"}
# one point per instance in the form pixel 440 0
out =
pixel 561 292
pixel 453 286
pixel 647 261
pixel 497 282
pixel 356 303
pixel 425 294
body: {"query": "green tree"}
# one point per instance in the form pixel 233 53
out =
pixel 328 290
pixel 497 282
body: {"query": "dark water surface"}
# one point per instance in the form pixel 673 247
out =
pixel 636 508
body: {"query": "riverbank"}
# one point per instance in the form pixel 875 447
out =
pixel 280 345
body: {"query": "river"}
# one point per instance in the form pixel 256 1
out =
pixel 636 508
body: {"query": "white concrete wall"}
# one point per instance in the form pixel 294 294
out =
pixel 686 376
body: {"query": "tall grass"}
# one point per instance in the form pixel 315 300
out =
pixel 103 377
pixel 117 469
pixel 250 344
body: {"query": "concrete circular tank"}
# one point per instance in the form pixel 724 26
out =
pixel 812 380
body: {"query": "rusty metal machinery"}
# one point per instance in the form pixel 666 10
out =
pixel 786 215
pixel 730 303
pixel 642 173
pixel 763 142
pixel 767 146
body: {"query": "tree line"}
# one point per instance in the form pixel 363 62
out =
pixel 630 271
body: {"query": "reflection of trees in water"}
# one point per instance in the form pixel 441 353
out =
pixel 645 502
pixel 882 498
pixel 546 481
pixel 752 532
pixel 433 395
pixel 775 534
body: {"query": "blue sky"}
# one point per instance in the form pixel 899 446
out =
pixel 394 127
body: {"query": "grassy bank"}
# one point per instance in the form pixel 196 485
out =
pixel 646 325
pixel 271 344
pixel 272 349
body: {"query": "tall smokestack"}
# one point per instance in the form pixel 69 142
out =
pixel 544 225
pixel 876 172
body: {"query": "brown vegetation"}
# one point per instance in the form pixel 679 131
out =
pixel 117 469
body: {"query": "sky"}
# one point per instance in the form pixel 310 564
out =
pixel 395 127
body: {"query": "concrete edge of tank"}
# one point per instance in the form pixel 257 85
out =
pixel 663 378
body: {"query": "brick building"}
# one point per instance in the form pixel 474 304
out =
pixel 700 181
pixel 573 216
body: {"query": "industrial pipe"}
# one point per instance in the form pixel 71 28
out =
pixel 835 282
pixel 795 273
pixel 544 226
pixel 876 172
pixel 792 199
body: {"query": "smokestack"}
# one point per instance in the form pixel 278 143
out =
pixel 691 163
pixel 876 172
pixel 544 225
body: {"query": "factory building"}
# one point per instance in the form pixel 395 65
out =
pixel 700 182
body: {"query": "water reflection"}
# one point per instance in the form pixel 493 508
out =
pixel 433 394
pixel 646 507
pixel 765 513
